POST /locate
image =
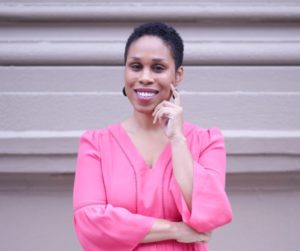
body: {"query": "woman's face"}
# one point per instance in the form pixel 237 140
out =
pixel 149 73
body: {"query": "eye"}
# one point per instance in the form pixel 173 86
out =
pixel 158 68
pixel 135 66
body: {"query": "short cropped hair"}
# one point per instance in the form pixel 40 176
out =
pixel 165 32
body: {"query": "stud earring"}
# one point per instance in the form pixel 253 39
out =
pixel 124 92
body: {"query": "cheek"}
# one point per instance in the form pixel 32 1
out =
pixel 128 77
pixel 167 80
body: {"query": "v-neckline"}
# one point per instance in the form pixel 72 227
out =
pixel 132 148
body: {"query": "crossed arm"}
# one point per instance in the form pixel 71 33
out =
pixel 95 220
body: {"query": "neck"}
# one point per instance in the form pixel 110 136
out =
pixel 143 121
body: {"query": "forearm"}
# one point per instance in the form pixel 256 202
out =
pixel 161 230
pixel 168 230
pixel 183 167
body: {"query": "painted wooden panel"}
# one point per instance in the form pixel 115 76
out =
pixel 61 73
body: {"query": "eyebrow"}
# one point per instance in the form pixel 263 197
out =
pixel 154 59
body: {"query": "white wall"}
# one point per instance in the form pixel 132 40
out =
pixel 61 73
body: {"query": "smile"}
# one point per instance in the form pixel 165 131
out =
pixel 146 94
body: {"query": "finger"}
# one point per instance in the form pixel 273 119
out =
pixel 164 112
pixel 208 234
pixel 158 107
pixel 154 118
pixel 158 113
pixel 176 94
pixel 205 237
pixel 172 109
pixel 163 104
pixel 156 110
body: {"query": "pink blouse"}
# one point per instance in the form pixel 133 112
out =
pixel 117 196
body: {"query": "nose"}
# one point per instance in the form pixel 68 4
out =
pixel 146 77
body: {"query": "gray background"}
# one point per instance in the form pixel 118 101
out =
pixel 61 73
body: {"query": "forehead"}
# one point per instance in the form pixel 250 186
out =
pixel 152 46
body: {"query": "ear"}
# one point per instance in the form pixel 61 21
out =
pixel 179 75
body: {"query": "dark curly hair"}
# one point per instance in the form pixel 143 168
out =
pixel 165 32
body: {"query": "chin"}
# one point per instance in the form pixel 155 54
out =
pixel 144 109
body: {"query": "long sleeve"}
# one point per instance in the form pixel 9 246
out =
pixel 98 225
pixel 210 205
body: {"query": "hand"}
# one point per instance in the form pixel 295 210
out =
pixel 186 234
pixel 170 116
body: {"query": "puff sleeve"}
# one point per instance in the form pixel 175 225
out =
pixel 100 226
pixel 210 205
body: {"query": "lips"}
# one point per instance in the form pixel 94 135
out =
pixel 146 93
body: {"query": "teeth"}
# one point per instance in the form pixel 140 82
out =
pixel 146 94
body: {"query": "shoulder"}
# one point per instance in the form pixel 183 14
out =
pixel 203 136
pixel 95 135
pixel 193 129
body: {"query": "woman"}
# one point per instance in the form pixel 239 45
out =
pixel 151 182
